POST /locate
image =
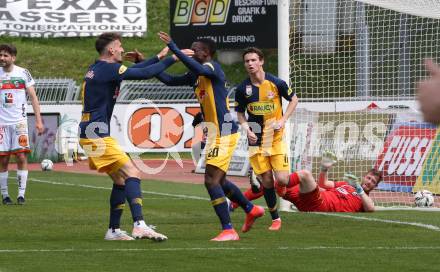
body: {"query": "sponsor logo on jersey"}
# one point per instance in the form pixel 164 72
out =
pixel 13 84
pixel 261 108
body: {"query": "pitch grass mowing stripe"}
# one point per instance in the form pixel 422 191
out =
pixel 314 248
pixel 415 224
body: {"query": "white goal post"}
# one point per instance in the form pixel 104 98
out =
pixel 354 66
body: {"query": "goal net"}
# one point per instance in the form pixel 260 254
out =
pixel 354 66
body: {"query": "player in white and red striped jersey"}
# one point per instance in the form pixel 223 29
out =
pixel 15 84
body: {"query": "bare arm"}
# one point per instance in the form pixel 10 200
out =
pixel 327 161
pixel 290 109
pixel 252 138
pixel 36 106
pixel 367 203
pixel 323 180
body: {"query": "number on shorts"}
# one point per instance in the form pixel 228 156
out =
pixel 213 153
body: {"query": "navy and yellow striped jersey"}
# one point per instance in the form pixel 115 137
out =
pixel 263 104
pixel 209 83
pixel 101 88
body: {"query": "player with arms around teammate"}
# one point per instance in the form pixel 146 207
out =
pixel 325 195
pixel 15 84
pixel 260 95
pixel 99 92
pixel 208 80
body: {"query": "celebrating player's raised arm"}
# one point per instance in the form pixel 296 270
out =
pixel 193 65
pixel 148 71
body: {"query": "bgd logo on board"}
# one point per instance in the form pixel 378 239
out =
pixel 201 12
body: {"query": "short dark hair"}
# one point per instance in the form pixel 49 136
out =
pixel 104 39
pixel 376 173
pixel 253 50
pixel 9 48
pixel 209 44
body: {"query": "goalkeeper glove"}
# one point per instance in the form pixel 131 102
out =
pixel 328 159
pixel 353 180
pixel 359 189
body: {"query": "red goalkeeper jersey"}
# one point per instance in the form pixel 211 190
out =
pixel 342 198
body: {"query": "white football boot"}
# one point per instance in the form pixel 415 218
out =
pixel 142 231
pixel 117 234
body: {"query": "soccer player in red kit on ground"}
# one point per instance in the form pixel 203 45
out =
pixel 325 195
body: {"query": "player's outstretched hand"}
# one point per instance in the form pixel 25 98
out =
pixel 328 159
pixel 187 52
pixel 164 37
pixel 163 53
pixel 134 56
pixel 354 181
pixel 351 178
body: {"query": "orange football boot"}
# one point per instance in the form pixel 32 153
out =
pixel 226 235
pixel 276 224
pixel 257 211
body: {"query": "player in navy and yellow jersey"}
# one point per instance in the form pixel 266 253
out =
pixel 208 80
pixel 260 96
pixel 99 92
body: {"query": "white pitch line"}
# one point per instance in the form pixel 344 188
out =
pixel 421 225
pixel 108 188
pixel 415 224
pixel 311 248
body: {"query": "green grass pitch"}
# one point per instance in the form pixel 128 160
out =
pixel 62 225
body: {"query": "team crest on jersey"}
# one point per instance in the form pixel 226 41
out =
pixel 270 95
pixel 248 90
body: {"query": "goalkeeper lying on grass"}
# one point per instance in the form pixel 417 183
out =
pixel 309 195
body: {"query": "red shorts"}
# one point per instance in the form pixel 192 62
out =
pixel 312 201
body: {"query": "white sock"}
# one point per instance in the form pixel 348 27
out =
pixel 140 223
pixel 4 184
pixel 22 176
